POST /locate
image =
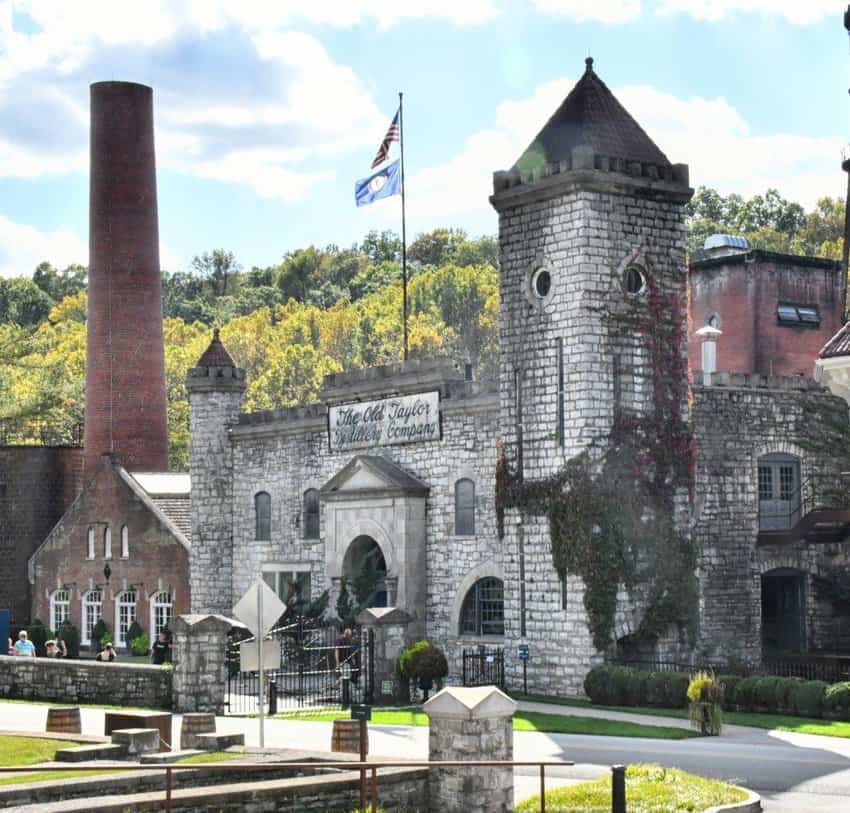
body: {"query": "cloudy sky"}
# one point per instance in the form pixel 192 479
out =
pixel 267 111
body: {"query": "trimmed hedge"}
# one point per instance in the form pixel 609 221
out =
pixel 610 685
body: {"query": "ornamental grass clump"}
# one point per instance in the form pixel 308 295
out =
pixel 705 695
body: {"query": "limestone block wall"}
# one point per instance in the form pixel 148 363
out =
pixel 737 420
pixel 72 681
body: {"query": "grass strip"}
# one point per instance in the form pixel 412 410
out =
pixel 16 751
pixel 53 776
pixel 211 757
pixel 649 789
pixel 523 721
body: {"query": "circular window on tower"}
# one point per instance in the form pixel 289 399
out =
pixel 634 280
pixel 540 287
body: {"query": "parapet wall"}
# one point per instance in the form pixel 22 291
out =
pixel 73 681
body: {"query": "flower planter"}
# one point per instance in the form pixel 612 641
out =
pixel 707 717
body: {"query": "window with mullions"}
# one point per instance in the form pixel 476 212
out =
pixel 464 507
pixel 799 315
pixel 125 615
pixel 60 604
pixel 262 516
pixel 311 514
pixel 779 492
pixel 289 585
pixel 483 610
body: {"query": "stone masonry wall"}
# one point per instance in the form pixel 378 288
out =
pixel 71 681
pixel 737 420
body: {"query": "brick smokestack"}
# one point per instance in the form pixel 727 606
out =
pixel 125 361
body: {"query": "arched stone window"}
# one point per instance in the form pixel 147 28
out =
pixel 311 514
pixel 483 610
pixel 162 610
pixel 263 516
pixel 90 544
pixel 779 492
pixel 107 543
pixel 125 542
pixel 92 608
pixel 60 604
pixel 464 507
pixel 125 615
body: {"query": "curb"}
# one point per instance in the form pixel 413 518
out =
pixel 752 804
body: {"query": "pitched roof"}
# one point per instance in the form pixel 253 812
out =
pixel 216 354
pixel 178 510
pixel 838 345
pixel 590 116
pixel 384 474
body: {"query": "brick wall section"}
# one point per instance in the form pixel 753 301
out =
pixel 36 486
pixel 743 291
pixel 736 421
pixel 125 358
pixel 158 559
pixel 70 681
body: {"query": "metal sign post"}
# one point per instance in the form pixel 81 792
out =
pixel 260 694
pixel 522 653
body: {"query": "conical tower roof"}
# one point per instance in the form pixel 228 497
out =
pixel 216 354
pixel 590 116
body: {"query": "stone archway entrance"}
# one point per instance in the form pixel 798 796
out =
pixel 783 603
pixel 364 569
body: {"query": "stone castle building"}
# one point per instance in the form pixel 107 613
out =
pixel 596 498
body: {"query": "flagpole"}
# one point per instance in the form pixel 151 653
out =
pixel 403 232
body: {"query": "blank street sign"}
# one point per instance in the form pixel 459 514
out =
pixel 246 608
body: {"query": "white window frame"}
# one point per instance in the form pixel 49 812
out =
pixel 96 615
pixel 107 542
pixel 59 599
pixel 122 625
pixel 90 548
pixel 125 542
pixel 277 573
pixel 159 610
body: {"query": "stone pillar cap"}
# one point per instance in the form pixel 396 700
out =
pixel 470 703
pixel 209 620
pixel 709 332
pixel 383 616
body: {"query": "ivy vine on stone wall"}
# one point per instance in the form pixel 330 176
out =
pixel 611 509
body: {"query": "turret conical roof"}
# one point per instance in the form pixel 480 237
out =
pixel 216 354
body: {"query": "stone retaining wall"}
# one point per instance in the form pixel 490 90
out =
pixel 72 681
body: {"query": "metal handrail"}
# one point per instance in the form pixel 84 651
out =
pixel 373 768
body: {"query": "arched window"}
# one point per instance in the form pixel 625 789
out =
pixel 779 492
pixel 464 507
pixel 311 514
pixel 262 516
pixel 107 543
pixel 90 544
pixel 60 604
pixel 125 615
pixel 162 609
pixel 483 610
pixel 92 607
pixel 125 542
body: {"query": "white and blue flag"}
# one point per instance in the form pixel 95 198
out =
pixel 382 184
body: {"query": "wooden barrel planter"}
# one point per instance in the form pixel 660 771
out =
pixel 194 724
pixel 65 720
pixel 346 737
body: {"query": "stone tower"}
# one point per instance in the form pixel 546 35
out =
pixel 216 386
pixel 591 245
pixel 125 361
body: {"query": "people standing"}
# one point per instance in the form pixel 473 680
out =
pixel 23 646
pixel 343 649
pixel 161 650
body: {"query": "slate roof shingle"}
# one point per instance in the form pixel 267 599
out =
pixel 838 345
pixel 216 354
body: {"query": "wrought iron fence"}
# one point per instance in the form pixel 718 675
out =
pixel 831 669
pixel 484 667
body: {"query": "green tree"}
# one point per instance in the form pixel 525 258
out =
pixel 216 266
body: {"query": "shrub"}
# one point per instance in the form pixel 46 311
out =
pixel 140 645
pixel 596 684
pixel 676 690
pixel 837 700
pixel 636 688
pixel 728 682
pixel 134 631
pixel 655 688
pixel 745 692
pixel 785 690
pixel 38 635
pixel 808 699
pixel 618 685
pixel 765 693
pixel 424 661
pixel 71 636
pixel 100 629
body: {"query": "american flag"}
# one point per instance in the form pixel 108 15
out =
pixel 384 149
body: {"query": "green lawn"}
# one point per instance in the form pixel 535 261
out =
pixel 771 722
pixel 211 756
pixel 22 751
pixel 649 789
pixel 523 721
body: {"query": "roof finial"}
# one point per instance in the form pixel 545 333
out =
pixel 589 64
pixel 216 333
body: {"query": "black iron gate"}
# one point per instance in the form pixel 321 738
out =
pixel 484 667
pixel 319 668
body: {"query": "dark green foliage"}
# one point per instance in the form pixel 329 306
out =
pixel 135 631
pixel 765 694
pixel 38 633
pixel 655 689
pixel 71 636
pixel 745 692
pixel 729 683
pixel 140 645
pixel 676 690
pixel 785 690
pixel 596 684
pixel 636 688
pixel 809 698
pixel 100 630
pixel 837 700
pixel 22 302
pixel 344 605
pixel 423 661
pixel 618 685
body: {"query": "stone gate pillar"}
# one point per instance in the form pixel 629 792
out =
pixel 389 627
pixel 472 723
pixel 198 651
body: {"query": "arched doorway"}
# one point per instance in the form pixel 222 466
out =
pixel 364 570
pixel 783 603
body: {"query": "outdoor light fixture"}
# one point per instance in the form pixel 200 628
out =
pixel 107 572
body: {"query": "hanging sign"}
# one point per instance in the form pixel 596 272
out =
pixel 406 419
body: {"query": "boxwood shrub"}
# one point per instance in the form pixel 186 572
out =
pixel 809 697
pixel 785 691
pixel 655 688
pixel 728 682
pixel 765 694
pixel 745 692
pixel 596 685
pixel 636 688
pixel 836 701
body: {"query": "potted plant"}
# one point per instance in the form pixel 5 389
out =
pixel 423 662
pixel 706 697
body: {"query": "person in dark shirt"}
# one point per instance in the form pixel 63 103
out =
pixel 161 650
pixel 106 654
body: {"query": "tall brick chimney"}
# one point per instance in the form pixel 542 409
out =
pixel 125 361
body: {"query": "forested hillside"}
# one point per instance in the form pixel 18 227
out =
pixel 317 311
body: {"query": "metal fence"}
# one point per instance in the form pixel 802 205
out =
pixel 484 667
pixel 831 669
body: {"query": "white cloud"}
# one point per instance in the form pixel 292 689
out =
pixel 23 247
pixel 798 12
pixel 605 11
pixel 708 134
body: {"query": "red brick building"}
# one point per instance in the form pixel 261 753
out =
pixel 775 311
